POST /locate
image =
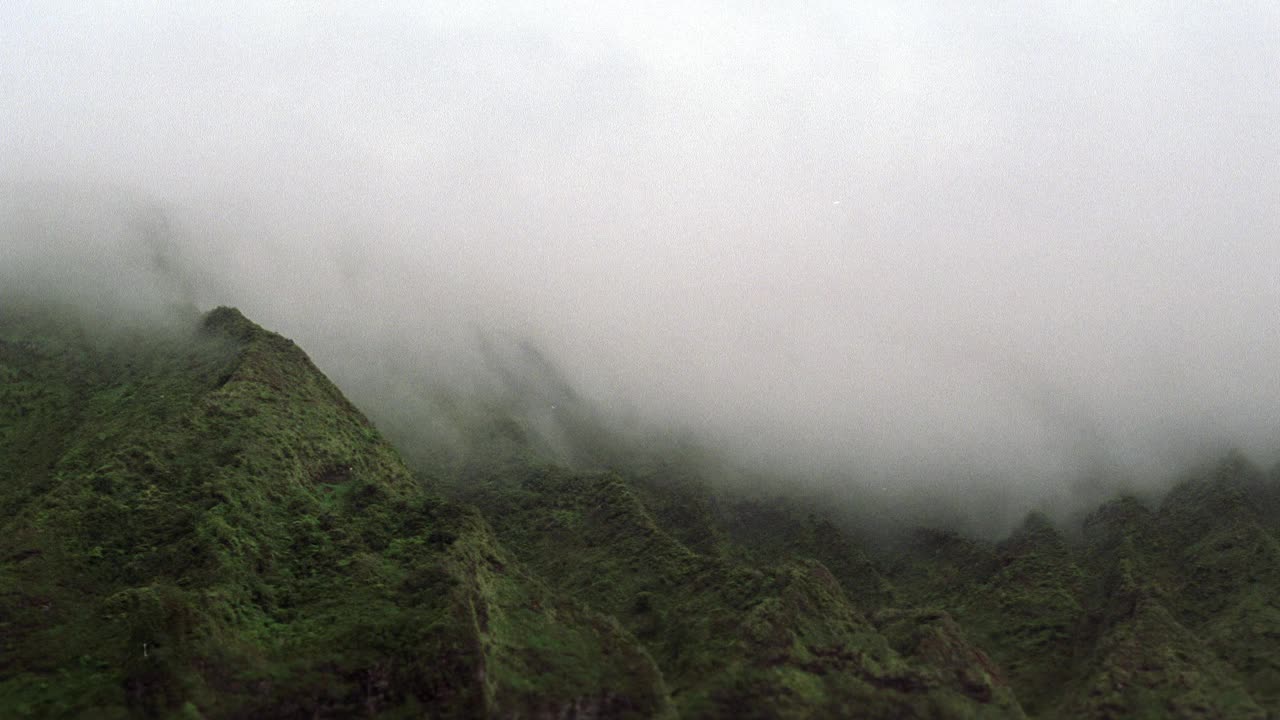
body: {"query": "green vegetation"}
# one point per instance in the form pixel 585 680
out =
pixel 197 523
pixel 200 525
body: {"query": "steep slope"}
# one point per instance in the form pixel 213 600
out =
pixel 1018 600
pixel 1221 535
pixel 1037 613
pixel 1139 661
pixel 1168 613
pixel 1165 613
pixel 197 523
pixel 776 529
pixel 735 640
pixel 200 524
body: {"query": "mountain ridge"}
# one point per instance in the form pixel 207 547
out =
pixel 199 523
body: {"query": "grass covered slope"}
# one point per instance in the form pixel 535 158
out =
pixel 754 604
pixel 734 640
pixel 197 522
pixel 1165 612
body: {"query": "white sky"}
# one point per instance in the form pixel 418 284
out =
pixel 1019 237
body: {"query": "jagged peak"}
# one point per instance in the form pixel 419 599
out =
pixel 1115 516
pixel 230 322
pixel 266 356
pixel 1218 494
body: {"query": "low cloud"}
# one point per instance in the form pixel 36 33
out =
pixel 932 249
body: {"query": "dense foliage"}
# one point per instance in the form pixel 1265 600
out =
pixel 197 523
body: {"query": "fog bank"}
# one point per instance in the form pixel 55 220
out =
pixel 933 249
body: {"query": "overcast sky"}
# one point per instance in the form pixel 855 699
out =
pixel 1021 239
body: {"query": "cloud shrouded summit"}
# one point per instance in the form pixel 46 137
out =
pixel 1018 243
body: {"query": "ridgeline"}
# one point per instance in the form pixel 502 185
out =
pixel 197 523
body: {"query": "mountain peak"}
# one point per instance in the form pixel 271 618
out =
pixel 229 321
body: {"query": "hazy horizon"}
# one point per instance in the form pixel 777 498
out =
pixel 935 248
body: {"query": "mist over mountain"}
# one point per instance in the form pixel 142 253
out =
pixel 992 259
pixel 197 523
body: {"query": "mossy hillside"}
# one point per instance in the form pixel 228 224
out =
pixel 1187 592
pixel 506 435
pixel 688 492
pixel 51 365
pixel 1139 620
pixel 1148 666
pixel 1028 613
pixel 1034 612
pixel 732 640
pixel 779 529
pixel 1143 663
pixel 1224 543
pixel 933 568
pixel 1018 600
pixel 673 485
pixel 934 641
pixel 199 524
pixel 217 531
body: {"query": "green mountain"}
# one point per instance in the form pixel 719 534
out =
pixel 197 523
